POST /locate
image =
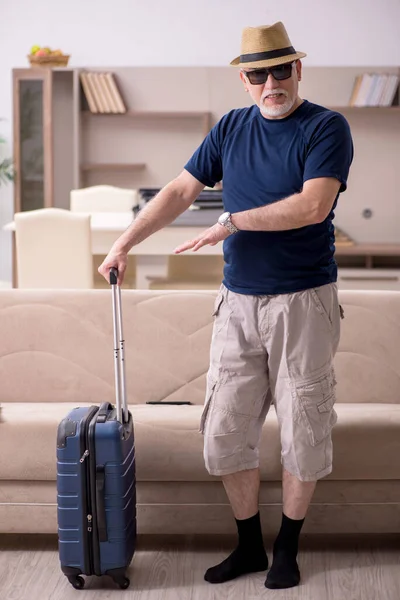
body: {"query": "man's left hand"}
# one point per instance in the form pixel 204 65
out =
pixel 213 235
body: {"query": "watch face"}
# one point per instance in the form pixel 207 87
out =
pixel 224 217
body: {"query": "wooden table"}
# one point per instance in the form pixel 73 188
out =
pixel 152 254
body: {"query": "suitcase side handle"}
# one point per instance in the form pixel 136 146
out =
pixel 103 412
pixel 119 350
pixel 100 504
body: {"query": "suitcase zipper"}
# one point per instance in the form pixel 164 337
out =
pixel 92 466
pixel 89 518
pixel 84 455
pixel 87 527
pixel 90 521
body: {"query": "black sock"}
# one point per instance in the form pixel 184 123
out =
pixel 285 572
pixel 248 557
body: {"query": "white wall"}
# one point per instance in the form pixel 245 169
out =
pixel 185 32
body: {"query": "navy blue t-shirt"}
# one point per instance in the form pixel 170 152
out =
pixel 265 160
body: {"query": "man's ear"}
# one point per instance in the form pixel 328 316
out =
pixel 244 80
pixel 299 68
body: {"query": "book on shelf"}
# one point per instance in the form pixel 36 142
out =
pixel 107 92
pixel 374 89
pixel 98 92
pixel 112 85
pixel 87 90
pixel 102 93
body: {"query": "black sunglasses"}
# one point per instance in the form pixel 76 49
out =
pixel 260 76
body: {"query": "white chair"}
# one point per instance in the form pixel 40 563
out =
pixel 106 198
pixel 53 248
pixel 103 198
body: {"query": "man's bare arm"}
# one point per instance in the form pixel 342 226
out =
pixel 312 205
pixel 163 209
pixel 170 202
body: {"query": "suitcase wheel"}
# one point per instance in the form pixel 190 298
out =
pixel 123 583
pixel 77 582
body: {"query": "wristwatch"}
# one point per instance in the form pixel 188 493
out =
pixel 225 220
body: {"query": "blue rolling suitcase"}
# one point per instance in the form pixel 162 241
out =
pixel 96 485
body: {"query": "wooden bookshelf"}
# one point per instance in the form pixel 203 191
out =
pixel 153 114
pixel 149 115
pixel 333 86
pixel 368 256
pixel 113 166
pixel 366 109
pixel 149 144
pixel 369 250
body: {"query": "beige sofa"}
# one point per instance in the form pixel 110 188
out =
pixel 56 353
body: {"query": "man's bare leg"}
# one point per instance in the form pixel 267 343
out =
pixel 297 496
pixel 242 489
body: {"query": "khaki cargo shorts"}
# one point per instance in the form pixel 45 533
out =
pixel 272 350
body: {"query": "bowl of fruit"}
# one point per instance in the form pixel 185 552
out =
pixel 46 57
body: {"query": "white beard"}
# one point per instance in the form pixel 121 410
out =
pixel 278 109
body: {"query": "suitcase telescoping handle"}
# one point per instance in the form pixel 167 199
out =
pixel 119 353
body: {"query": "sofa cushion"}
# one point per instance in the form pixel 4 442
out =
pixel 169 446
pixel 61 340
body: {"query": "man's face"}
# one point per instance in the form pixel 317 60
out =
pixel 275 98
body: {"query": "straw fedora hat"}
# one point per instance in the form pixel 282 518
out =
pixel 266 46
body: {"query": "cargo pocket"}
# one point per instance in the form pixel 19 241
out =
pixel 316 294
pixel 221 312
pixel 316 402
pixel 211 386
pixel 217 304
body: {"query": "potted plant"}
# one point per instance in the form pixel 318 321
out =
pixel 6 167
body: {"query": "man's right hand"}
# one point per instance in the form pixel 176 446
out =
pixel 117 259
